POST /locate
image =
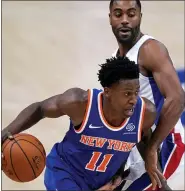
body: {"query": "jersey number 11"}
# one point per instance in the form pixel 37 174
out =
pixel 91 165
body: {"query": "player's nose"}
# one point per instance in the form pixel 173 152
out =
pixel 133 100
pixel 124 20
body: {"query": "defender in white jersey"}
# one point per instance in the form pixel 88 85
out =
pixel 160 84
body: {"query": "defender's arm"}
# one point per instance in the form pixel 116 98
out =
pixel 154 57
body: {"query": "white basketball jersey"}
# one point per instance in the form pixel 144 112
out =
pixel 148 86
pixel 150 90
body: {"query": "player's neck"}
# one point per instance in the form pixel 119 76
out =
pixel 113 117
pixel 124 48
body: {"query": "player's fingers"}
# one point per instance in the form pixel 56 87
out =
pixel 152 178
pixel 117 182
pixel 161 177
pixel 157 179
pixel 160 174
pixel 105 187
pixel 9 135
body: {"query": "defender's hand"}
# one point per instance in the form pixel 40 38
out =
pixel 156 176
pixel 110 186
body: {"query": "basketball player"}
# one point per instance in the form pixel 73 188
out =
pixel 104 127
pixel 160 84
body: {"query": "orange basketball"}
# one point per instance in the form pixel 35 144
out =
pixel 24 158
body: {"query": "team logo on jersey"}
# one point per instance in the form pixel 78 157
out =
pixel 130 127
pixel 94 127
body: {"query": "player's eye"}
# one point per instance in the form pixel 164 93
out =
pixel 118 13
pixel 131 14
pixel 127 93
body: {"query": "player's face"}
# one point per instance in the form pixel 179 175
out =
pixel 125 19
pixel 123 96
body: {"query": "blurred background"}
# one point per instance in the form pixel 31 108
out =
pixel 48 47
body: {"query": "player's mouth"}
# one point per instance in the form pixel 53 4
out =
pixel 125 31
pixel 129 112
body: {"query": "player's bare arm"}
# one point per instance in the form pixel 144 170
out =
pixel 155 58
pixel 72 103
pixel 156 175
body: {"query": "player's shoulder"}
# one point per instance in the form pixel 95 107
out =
pixel 153 54
pixel 153 46
pixel 75 95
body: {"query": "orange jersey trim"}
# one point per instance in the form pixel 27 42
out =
pixel 103 117
pixel 87 111
pixel 142 114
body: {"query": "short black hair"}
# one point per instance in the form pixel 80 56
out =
pixel 137 1
pixel 116 69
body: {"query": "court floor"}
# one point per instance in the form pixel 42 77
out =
pixel 48 47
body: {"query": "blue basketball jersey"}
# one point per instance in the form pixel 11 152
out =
pixel 96 150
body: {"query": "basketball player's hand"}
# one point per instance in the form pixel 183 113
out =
pixel 110 186
pixel 4 137
pixel 156 176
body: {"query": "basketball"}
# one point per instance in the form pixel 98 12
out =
pixel 23 158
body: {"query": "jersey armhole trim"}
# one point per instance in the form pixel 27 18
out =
pixel 141 120
pixel 87 111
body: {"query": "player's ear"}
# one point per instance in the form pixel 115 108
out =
pixel 110 19
pixel 106 92
pixel 141 14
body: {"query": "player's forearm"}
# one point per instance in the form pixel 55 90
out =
pixel 27 118
pixel 141 146
pixel 169 116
